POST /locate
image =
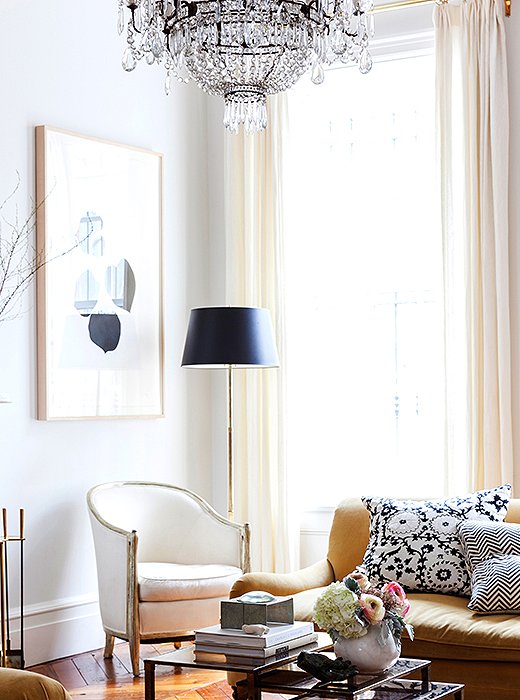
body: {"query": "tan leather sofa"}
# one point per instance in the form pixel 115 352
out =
pixel 483 652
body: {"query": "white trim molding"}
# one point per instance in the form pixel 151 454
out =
pixel 58 628
pixel 315 526
pixel 404 45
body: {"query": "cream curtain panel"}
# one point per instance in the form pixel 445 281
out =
pixel 473 128
pixel 254 277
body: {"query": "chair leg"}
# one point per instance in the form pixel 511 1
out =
pixel 109 645
pixel 177 669
pixel 134 654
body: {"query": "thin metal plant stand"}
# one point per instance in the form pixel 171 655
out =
pixel 13 658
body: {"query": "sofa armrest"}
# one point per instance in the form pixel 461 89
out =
pixel 314 576
pixel 16 684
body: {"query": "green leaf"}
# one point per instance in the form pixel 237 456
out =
pixel 334 634
pixel 352 585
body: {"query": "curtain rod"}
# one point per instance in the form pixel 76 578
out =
pixel 401 4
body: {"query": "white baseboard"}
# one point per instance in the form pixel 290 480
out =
pixel 58 628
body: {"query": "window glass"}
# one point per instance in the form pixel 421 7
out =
pixel 363 276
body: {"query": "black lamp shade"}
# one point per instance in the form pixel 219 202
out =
pixel 219 336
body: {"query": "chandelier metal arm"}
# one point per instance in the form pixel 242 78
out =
pixel 133 9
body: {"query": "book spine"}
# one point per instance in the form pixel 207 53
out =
pixel 282 652
pixel 255 653
pixel 243 640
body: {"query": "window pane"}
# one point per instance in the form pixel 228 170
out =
pixel 363 280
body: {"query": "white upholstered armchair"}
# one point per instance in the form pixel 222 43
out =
pixel 165 559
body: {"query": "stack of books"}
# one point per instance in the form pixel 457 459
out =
pixel 224 645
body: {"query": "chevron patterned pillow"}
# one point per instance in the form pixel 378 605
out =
pixel 416 542
pixel 481 541
pixel 495 585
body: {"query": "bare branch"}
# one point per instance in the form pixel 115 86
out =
pixel 19 258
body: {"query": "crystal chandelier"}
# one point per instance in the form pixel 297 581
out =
pixel 245 50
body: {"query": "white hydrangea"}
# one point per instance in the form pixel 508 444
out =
pixel 335 611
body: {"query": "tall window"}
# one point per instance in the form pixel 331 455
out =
pixel 364 285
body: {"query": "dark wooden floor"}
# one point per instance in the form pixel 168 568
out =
pixel 92 677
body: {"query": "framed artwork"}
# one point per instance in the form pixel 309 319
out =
pixel 99 227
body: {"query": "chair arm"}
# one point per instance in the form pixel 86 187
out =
pixel 314 576
pixel 116 572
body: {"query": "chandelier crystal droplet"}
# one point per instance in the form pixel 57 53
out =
pixel 245 50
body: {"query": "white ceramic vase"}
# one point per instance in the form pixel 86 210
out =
pixel 375 652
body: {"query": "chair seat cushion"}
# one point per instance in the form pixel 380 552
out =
pixel 160 581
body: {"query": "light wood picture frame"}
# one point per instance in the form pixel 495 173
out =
pixel 99 295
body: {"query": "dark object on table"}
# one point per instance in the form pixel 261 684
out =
pixel 325 669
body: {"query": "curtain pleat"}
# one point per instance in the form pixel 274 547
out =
pixel 254 277
pixel 471 54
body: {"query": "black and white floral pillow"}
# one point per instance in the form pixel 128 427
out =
pixel 416 542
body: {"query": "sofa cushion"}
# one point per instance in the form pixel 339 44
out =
pixel 417 544
pixel 159 581
pixel 445 628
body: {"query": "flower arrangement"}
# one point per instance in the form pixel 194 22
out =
pixel 348 608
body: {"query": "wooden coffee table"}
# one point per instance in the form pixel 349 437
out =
pixel 281 675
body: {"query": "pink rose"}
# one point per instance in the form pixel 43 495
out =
pixel 398 591
pixel 405 608
pixel 372 606
pixel 394 587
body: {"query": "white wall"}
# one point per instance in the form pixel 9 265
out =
pixel 60 66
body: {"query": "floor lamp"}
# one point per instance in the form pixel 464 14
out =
pixel 230 337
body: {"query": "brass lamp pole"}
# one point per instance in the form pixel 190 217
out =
pixel 230 337
pixel 231 485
